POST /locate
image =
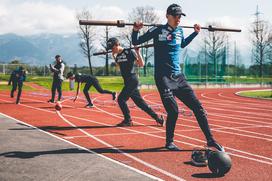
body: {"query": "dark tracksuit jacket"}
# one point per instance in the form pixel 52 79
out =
pixel 170 81
pixel 126 60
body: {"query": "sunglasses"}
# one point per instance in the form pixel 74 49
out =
pixel 177 16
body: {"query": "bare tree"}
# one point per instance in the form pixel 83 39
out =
pixel 145 14
pixel 262 42
pixel 103 43
pixel 215 46
pixel 125 35
pixel 86 33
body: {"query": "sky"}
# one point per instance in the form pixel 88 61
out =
pixel 30 17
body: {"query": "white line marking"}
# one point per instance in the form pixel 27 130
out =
pixel 232 133
pixel 186 143
pixel 83 148
pixel 124 153
pixel 209 113
pixel 229 101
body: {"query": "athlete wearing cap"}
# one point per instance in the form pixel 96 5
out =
pixel 168 40
pixel 125 58
pixel 90 80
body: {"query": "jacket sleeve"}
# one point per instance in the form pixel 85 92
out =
pixel 53 69
pixel 62 68
pixel 136 40
pixel 61 71
pixel 188 40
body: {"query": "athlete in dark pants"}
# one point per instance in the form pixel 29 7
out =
pixel 168 41
pixel 90 81
pixel 17 79
pixel 57 70
pixel 125 59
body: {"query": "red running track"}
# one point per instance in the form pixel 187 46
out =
pixel 242 125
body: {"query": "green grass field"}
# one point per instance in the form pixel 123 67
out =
pixel 257 94
pixel 109 83
pixel 115 83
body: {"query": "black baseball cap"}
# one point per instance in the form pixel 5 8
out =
pixel 111 42
pixel 57 56
pixel 174 10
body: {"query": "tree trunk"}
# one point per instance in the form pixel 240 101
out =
pixel 107 65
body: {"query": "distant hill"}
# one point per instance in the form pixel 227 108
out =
pixel 41 49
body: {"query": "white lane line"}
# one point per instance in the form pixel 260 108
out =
pixel 122 152
pixel 240 117
pixel 86 149
pixel 244 127
pixel 220 127
pixel 212 114
pixel 234 106
pixel 252 98
pixel 232 149
pixel 246 118
pixel 228 101
pixel 106 144
pixel 270 163
pixel 155 132
pixel 227 132
pixel 186 143
pixel 221 115
pixel 255 155
pixel 263 115
pixel 113 134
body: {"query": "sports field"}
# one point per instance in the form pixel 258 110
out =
pixel 81 143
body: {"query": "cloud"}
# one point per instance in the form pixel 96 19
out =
pixel 35 18
pixel 27 18
pixel 108 12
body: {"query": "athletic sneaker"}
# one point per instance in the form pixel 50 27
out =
pixel 89 105
pixel 50 100
pixel 171 146
pixel 214 144
pixel 114 95
pixel 160 121
pixel 125 123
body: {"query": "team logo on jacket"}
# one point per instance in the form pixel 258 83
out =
pixel 169 37
pixel 121 58
pixel 178 38
pixel 163 35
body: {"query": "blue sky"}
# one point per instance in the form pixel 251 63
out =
pixel 28 17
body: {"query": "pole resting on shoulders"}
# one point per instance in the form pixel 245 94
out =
pixel 105 52
pixel 122 23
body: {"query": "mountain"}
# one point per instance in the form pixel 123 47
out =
pixel 41 49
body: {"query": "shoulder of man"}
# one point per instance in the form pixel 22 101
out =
pixel 155 29
pixel 131 54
